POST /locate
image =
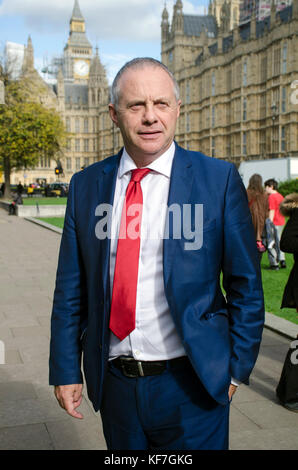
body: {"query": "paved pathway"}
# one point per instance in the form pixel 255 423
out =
pixel 29 415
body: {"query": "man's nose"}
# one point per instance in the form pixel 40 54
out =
pixel 149 116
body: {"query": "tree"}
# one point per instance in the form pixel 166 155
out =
pixel 28 131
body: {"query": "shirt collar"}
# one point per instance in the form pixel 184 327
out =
pixel 162 164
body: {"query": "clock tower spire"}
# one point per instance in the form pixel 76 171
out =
pixel 78 50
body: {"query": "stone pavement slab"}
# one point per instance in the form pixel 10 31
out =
pixel 30 418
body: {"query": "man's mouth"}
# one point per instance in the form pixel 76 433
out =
pixel 149 133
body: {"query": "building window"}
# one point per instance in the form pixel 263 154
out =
pixel 228 114
pixel 77 145
pixel 263 106
pixel 171 57
pixel 244 109
pixel 68 163
pixel 229 80
pixel 228 146
pixel 213 146
pixel 68 144
pixel 77 125
pixel 86 145
pixel 244 78
pixel 187 93
pixel 86 125
pixel 284 58
pixel 187 120
pixel 213 84
pixel 262 142
pixel 244 144
pixel 275 139
pixel 283 139
pixel 283 99
pixel 264 69
pixel 237 104
pixel 78 163
pixel 67 124
pixel 276 61
pixel 275 99
pixel 213 116
pixel 86 161
pixel 45 162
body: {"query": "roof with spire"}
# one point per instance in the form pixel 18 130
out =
pixel 78 38
pixel 77 14
pixel 96 67
pixel 195 24
pixel 284 15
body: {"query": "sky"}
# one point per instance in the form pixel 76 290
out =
pixel 122 29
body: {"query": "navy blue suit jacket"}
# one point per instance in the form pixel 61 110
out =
pixel 220 333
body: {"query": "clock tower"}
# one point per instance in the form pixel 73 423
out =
pixel 78 50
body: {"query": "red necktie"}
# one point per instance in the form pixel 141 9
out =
pixel 123 308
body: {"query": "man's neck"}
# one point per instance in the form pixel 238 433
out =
pixel 143 160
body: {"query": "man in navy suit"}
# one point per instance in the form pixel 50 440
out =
pixel 147 234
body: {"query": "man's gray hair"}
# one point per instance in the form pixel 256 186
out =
pixel 140 63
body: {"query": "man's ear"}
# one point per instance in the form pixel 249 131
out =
pixel 113 114
pixel 178 108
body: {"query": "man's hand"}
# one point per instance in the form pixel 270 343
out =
pixel 232 390
pixel 70 398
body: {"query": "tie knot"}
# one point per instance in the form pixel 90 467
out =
pixel 137 175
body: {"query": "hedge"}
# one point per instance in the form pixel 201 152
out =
pixel 288 187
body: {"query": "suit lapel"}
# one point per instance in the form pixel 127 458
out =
pixel 106 184
pixel 179 193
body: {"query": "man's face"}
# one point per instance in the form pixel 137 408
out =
pixel 147 112
pixel 268 189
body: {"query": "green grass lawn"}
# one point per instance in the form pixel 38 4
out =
pixel 274 283
pixel 44 201
pixel 57 221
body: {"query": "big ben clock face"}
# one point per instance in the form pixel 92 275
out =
pixel 81 68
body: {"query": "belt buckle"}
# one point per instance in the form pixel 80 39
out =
pixel 139 365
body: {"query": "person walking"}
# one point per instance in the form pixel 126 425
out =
pixel 275 255
pixel 259 209
pixel 287 390
pixel 147 234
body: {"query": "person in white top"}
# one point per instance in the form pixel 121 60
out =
pixel 166 382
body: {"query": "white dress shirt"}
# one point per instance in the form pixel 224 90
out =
pixel 155 337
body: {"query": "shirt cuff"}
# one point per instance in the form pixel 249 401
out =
pixel 235 382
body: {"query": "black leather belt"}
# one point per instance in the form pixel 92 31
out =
pixel 132 368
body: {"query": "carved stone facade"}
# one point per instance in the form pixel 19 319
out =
pixel 236 85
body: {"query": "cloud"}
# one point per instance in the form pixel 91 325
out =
pixel 106 19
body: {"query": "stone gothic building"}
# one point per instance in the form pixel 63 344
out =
pixel 237 84
pixel 80 93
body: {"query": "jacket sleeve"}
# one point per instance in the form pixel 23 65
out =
pixel 289 237
pixel 241 280
pixel 69 304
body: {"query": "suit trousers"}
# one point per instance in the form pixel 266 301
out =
pixel 170 411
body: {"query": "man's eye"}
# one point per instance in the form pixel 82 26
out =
pixel 136 106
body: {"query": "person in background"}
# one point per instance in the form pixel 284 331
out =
pixel 287 390
pixel 20 189
pixel 258 205
pixel 275 199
